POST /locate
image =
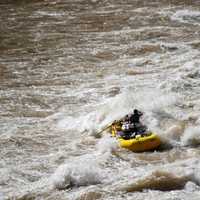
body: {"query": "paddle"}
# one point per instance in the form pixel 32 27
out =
pixel 107 127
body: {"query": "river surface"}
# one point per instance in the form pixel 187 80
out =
pixel 68 68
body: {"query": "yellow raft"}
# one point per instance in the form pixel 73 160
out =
pixel 140 143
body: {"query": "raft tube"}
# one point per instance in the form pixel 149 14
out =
pixel 140 143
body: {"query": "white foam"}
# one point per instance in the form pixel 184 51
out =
pixel 104 114
pixel 52 14
pixel 79 124
pixel 77 173
pixel 181 170
pixel 191 187
pixel 107 144
pixel 187 16
pixel 171 136
pixel 67 122
pixel 154 103
pixel 185 78
pixel 1 196
pixel 191 136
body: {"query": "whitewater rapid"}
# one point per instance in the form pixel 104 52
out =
pixel 68 69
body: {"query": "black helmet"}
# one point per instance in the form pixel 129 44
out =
pixel 135 111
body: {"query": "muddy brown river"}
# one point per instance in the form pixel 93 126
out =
pixel 70 68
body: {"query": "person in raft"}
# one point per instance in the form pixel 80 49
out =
pixel 135 117
pixel 131 125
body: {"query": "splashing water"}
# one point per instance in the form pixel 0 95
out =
pixel 69 69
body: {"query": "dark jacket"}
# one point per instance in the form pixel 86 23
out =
pixel 135 118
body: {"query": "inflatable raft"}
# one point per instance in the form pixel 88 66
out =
pixel 141 142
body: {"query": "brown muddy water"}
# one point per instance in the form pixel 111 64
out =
pixel 69 68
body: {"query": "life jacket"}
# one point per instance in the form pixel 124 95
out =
pixel 125 126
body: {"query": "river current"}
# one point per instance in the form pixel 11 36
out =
pixel 68 68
